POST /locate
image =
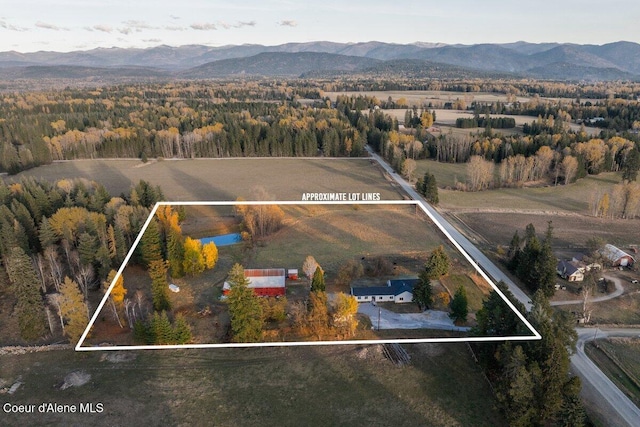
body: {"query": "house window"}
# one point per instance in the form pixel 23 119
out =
pixel 401 299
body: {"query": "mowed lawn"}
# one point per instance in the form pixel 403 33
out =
pixel 326 385
pixel 228 179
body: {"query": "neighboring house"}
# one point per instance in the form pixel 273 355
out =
pixel 265 282
pixel 568 270
pixel 616 256
pixel 397 290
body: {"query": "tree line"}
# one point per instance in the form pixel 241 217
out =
pixel 58 242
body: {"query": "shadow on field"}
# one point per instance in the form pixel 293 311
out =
pixel 100 171
pixel 327 166
pixel 198 189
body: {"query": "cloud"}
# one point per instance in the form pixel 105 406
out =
pixel 241 24
pixel 4 24
pixel 174 28
pixel 48 26
pixel 151 40
pixel 288 23
pixel 174 17
pixel 103 28
pixel 131 26
pixel 138 25
pixel 207 26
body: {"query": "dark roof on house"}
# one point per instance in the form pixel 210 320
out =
pixel 566 267
pixel 394 287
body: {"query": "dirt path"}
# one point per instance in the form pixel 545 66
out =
pixel 619 290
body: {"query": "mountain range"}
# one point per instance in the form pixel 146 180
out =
pixel 613 61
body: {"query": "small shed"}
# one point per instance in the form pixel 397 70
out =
pixel 292 274
pixel 174 288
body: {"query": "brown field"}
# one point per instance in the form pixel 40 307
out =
pixel 619 359
pixel 570 232
pixel 228 179
pixel 342 386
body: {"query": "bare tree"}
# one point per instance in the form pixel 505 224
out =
pixel 40 267
pixel 309 267
pixel 479 173
pixel 53 266
pixel 55 300
pixel 570 167
pixel 84 277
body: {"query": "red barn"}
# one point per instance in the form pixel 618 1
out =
pixel 265 282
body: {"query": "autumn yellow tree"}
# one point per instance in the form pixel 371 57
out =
pixel 194 262
pixel 116 296
pixel 210 255
pixel 73 310
pixel 345 308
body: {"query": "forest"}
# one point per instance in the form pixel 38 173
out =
pixel 59 243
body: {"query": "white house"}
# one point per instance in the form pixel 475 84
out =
pixel 398 290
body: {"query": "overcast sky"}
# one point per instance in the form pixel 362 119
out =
pixel 64 25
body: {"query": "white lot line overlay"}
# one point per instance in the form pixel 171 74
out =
pixel 535 335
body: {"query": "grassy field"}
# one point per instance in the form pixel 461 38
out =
pixel 475 295
pixel 335 234
pixel 572 198
pixel 227 179
pixel 619 359
pixel 350 386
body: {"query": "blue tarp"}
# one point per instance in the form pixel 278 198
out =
pixel 223 240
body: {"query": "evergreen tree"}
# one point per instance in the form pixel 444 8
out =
pixel 459 306
pixel 151 244
pixel 317 283
pixel 175 253
pixel 87 247
pixel 631 165
pixel 159 285
pixel 245 309
pixel 26 288
pixel 181 330
pixel 430 188
pixel 437 264
pixel 422 292
pixel 160 329
pixel 46 234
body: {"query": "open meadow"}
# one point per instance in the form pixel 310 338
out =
pixel 227 179
pixel 338 386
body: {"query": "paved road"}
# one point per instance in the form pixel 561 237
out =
pixel 598 382
pixel 619 290
pixel 610 397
